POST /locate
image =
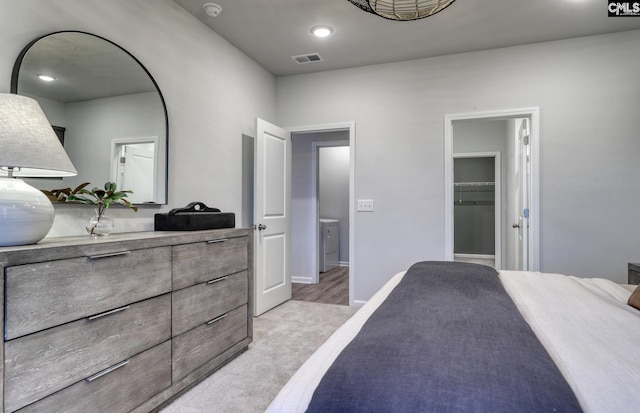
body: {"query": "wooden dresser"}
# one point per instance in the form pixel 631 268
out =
pixel 633 273
pixel 123 323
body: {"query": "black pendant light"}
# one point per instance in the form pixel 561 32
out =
pixel 402 10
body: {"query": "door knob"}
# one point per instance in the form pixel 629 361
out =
pixel 516 225
pixel 261 227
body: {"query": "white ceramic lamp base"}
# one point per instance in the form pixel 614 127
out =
pixel 26 214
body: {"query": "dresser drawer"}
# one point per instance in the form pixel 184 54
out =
pixel 42 363
pixel 201 344
pixel 119 390
pixel 47 294
pixel 203 261
pixel 202 302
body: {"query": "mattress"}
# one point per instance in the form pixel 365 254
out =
pixel 584 324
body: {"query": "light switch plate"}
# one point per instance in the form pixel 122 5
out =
pixel 365 205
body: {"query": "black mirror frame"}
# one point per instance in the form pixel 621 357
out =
pixel 15 74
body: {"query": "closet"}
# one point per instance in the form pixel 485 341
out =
pixel 474 207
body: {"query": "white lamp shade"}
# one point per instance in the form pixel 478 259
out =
pixel 28 142
pixel 26 214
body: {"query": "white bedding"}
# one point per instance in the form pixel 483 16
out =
pixel 585 325
pixel 590 332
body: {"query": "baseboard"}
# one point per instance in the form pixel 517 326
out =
pixel 359 303
pixel 302 280
pixel 343 263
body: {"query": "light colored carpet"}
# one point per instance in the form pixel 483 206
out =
pixel 283 338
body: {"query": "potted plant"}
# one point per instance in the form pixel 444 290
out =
pixel 100 224
pixel 60 195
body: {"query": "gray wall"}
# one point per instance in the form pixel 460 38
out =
pixel 334 192
pixel 213 93
pixel 589 147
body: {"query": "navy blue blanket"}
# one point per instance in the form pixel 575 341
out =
pixel 447 339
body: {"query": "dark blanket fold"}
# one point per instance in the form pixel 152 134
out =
pixel 447 339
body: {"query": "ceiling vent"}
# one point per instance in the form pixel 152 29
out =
pixel 307 58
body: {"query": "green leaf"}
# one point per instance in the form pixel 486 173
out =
pixel 100 198
pixel 79 187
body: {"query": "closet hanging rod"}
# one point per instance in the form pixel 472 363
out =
pixel 473 203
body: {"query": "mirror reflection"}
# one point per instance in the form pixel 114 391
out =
pixel 105 108
pixel 133 164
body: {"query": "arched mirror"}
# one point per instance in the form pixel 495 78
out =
pixel 106 109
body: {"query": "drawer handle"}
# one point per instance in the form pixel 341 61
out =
pixel 216 319
pixel 117 310
pixel 109 254
pixel 215 241
pixel 217 280
pixel 107 371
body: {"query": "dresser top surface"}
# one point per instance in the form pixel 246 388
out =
pixel 75 246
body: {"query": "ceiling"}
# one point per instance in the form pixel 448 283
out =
pixel 85 66
pixel 272 31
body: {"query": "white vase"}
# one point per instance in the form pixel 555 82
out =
pixel 100 225
pixel 26 214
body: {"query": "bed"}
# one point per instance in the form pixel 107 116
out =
pixel 446 336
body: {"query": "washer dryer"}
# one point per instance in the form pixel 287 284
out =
pixel 329 244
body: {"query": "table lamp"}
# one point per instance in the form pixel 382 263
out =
pixel 28 148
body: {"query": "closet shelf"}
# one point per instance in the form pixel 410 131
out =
pixel 474 184
pixel 468 187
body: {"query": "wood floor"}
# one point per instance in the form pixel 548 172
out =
pixel 333 288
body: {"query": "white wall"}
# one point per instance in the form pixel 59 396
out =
pixel 213 93
pixel 333 190
pixel 589 147
pixel 479 135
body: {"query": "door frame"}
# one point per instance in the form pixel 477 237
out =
pixel 533 114
pixel 335 127
pixel 497 197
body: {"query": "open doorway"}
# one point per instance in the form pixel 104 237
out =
pixel 321 214
pixel 305 215
pixel 513 134
pixel 477 208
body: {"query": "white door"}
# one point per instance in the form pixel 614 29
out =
pixel 524 169
pixel 272 217
pixel 137 172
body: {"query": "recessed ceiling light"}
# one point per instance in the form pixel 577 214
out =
pixel 322 31
pixel 46 78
